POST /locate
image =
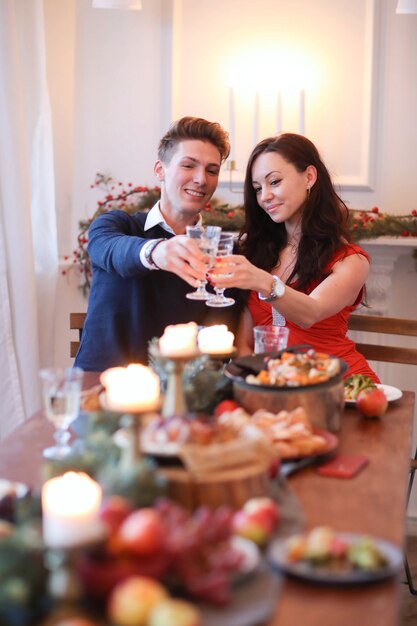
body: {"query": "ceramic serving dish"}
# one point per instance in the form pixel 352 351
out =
pixel 323 402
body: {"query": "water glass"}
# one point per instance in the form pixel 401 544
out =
pixel 270 338
pixel 61 392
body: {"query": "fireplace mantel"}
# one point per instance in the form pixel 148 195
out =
pixel 385 253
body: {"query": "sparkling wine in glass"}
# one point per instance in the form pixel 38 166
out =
pixel 207 239
pixel 224 248
pixel 61 391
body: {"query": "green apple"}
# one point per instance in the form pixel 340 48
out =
pixel 173 612
pixel 132 600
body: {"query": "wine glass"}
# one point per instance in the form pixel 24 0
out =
pixel 224 248
pixel 61 391
pixel 207 239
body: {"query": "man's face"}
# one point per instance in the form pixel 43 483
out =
pixel 190 178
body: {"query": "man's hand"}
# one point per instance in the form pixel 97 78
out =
pixel 182 256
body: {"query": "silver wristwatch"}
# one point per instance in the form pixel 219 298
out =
pixel 277 291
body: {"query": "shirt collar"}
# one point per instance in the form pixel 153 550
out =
pixel 155 218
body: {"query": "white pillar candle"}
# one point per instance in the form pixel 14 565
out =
pixel 232 123
pixel 256 119
pixel 179 340
pixel 134 388
pixel 215 339
pixel 278 124
pixel 301 113
pixel 70 510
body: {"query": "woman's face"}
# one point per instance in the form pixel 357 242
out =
pixel 280 189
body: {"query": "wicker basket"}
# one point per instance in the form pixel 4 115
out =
pixel 232 487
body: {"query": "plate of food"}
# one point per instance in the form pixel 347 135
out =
pixel 291 433
pixel 295 367
pixel 165 436
pixel 356 383
pixel 326 557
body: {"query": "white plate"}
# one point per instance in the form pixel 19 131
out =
pixel 251 560
pixel 277 557
pixel 392 393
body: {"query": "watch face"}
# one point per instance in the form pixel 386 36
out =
pixel 278 288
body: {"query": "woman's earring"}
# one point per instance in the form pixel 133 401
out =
pixel 308 190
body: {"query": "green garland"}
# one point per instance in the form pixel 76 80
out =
pixel 369 224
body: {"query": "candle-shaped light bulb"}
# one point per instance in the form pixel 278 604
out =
pixel 232 123
pixel 301 113
pixel 278 121
pixel 256 119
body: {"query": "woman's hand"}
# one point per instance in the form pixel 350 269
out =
pixel 236 271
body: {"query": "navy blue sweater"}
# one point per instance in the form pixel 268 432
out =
pixel 130 304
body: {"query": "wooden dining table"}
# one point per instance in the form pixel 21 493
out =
pixel 373 502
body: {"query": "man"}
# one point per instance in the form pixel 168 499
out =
pixel 143 265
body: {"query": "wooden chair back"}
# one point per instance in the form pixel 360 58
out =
pixel 389 326
pixel 76 323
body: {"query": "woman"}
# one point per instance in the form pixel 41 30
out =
pixel 296 256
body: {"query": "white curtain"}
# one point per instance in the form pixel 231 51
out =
pixel 28 242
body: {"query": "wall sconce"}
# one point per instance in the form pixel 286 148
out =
pixel 406 6
pixel 133 5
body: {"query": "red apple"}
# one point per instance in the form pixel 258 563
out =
pixel 143 532
pixel 75 621
pixel 225 406
pixel 6 528
pixel 114 511
pixel 372 402
pixel 173 612
pixel 132 600
pixel 244 525
pixel 265 510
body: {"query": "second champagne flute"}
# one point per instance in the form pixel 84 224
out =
pixel 225 248
pixel 207 239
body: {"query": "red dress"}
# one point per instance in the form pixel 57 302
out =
pixel 329 335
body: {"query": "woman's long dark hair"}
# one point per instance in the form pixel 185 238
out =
pixel 324 221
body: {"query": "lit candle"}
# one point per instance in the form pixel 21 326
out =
pixel 301 113
pixel 179 340
pixel 232 123
pixel 278 114
pixel 134 388
pixel 256 118
pixel 70 510
pixel 215 340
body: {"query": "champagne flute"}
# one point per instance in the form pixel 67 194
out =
pixel 225 248
pixel 207 239
pixel 61 391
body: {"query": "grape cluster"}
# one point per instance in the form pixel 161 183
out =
pixel 202 556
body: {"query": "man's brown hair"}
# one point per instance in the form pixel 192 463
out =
pixel 193 128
